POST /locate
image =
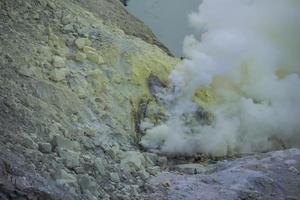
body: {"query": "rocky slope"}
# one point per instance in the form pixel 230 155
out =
pixel 72 78
pixel 76 79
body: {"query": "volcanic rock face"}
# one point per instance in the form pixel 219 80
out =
pixel 78 84
pixel 72 75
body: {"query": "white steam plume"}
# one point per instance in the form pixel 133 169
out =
pixel 248 53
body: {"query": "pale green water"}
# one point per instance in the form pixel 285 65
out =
pixel 168 19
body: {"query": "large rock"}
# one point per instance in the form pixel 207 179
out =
pixel 45 147
pixel 100 166
pixel 82 42
pixel 70 158
pixel 132 160
pixel 61 142
pixel 66 179
pixel 59 74
pixel 87 183
pixel 58 62
pixel 135 161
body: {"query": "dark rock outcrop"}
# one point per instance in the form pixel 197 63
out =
pixel 124 2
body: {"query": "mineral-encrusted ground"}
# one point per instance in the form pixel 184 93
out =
pixel 76 82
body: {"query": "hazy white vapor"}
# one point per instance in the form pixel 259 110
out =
pixel 253 47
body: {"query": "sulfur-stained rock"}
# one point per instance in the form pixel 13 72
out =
pixel 69 28
pixel 27 71
pixel 65 178
pixel 87 158
pixel 114 177
pixel 33 155
pixel 114 152
pixel 70 158
pixel 100 165
pixel 51 5
pixel 144 174
pixel 86 49
pixel 80 56
pixel 27 142
pixel 67 19
pixel 58 62
pixel 94 57
pixel 84 32
pixel 151 159
pixel 87 143
pixel 132 160
pixel 90 131
pixel 54 40
pixel 45 52
pixel 87 183
pixel 156 112
pixel 61 142
pixel 62 51
pixel 153 170
pixel 59 74
pixel 78 85
pixel 79 170
pixel 36 16
pixel 82 42
pixel 152 62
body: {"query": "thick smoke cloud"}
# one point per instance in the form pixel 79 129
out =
pixel 248 53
